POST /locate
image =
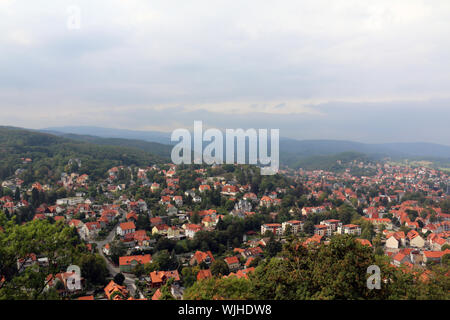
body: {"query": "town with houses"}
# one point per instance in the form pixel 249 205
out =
pixel 151 225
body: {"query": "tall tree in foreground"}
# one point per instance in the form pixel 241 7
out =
pixel 337 270
pixel 56 242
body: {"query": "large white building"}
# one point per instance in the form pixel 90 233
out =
pixel 350 229
pixel 333 224
pixel 276 228
pixel 296 226
pixel 70 201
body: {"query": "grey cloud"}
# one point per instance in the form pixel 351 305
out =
pixel 132 57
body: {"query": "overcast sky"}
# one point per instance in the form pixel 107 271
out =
pixel 370 71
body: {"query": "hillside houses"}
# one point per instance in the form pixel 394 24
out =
pixel 234 215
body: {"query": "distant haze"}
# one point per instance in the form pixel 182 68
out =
pixel 359 70
pixel 287 146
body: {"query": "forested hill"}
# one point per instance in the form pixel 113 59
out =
pixel 335 162
pixel 51 154
pixel 154 148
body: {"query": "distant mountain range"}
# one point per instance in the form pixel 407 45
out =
pixel 295 153
pixel 290 149
pixel 150 136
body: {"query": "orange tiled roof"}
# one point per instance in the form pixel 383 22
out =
pixel 231 260
pixel 114 287
pixel 161 276
pixel 204 274
pixel 143 259
pixel 201 256
pixel 127 225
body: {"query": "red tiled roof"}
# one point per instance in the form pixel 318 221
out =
pixel 201 256
pixel 123 261
pixel 127 225
pixel 204 274
pixel 231 260
pixel 364 242
pixel 160 276
pixel 157 295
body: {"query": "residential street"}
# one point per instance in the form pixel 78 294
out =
pixel 113 270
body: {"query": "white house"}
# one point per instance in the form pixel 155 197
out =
pixel 415 240
pixel 395 240
pixel 126 228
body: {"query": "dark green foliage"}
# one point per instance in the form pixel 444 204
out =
pixel 188 276
pixel 119 278
pixel 445 206
pixel 337 162
pixel 337 270
pixel 117 250
pixel 93 268
pixel 272 248
pixel 158 149
pixel 59 243
pixel 219 267
pixel 164 260
pixel 49 151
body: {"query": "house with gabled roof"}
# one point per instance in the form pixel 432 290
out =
pixel 127 263
pixel 113 291
pixel 201 257
pixel 315 239
pixel 191 229
pixel 415 240
pixel 204 187
pixel 437 243
pixel 241 273
pixel 156 220
pixel 395 239
pixel 434 256
pixel 204 274
pixel 400 258
pixel 126 228
pixel 233 263
pixel 159 278
pixel 160 229
pixel 90 230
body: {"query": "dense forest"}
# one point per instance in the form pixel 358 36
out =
pixel 50 154
pixel 155 148
pixel 336 162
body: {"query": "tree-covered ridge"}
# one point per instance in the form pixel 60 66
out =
pixel 49 155
pixel 335 162
pixel 337 270
pixel 155 148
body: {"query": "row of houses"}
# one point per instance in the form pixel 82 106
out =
pixel 325 228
